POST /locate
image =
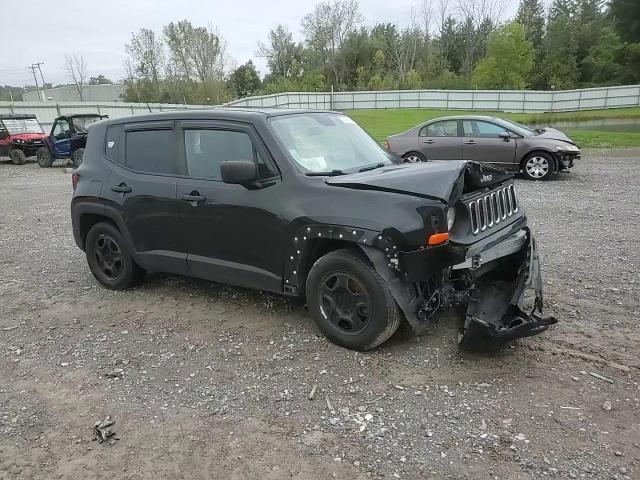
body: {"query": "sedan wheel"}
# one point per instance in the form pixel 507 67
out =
pixel 414 157
pixel 538 167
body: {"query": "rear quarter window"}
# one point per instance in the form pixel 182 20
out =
pixel 112 143
pixel 151 151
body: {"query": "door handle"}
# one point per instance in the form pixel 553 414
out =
pixel 122 188
pixel 470 142
pixel 193 197
pixel 428 141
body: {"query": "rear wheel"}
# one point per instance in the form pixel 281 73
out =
pixel 350 302
pixel 18 157
pixel 44 157
pixel 538 166
pixel 414 157
pixel 108 258
pixel 77 157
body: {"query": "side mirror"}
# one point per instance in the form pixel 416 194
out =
pixel 239 172
pixel 4 135
pixel 506 136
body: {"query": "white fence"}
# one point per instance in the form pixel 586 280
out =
pixel 491 100
pixel 46 112
pixel 494 100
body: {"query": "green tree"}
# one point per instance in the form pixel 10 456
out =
pixel 244 80
pixel 531 16
pixel 509 59
pixel 626 14
pixel 602 65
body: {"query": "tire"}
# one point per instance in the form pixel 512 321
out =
pixel 350 302
pixel 538 166
pixel 43 155
pixel 414 157
pixel 108 258
pixel 77 157
pixel 18 157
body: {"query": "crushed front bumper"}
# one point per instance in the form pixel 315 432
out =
pixel 503 307
pixel 498 279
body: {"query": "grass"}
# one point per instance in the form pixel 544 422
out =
pixel 382 123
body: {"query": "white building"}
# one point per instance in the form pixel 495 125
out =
pixel 69 93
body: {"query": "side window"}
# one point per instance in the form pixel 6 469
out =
pixel 112 143
pixel 489 130
pixel 151 151
pixel 448 128
pixel 206 149
pixel 467 126
pixel 61 128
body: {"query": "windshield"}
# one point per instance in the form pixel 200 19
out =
pixel 22 125
pixel 328 142
pixel 81 124
pixel 519 128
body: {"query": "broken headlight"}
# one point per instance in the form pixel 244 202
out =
pixel 451 218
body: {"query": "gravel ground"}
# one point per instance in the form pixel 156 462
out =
pixel 208 381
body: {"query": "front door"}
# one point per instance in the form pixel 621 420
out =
pixel 440 141
pixel 142 187
pixel 61 133
pixel 234 234
pixel 482 143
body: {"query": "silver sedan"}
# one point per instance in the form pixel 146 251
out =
pixel 537 153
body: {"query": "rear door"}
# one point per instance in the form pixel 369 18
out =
pixel 234 234
pixel 482 143
pixel 440 141
pixel 142 187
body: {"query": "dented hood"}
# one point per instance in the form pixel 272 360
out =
pixel 553 134
pixel 435 179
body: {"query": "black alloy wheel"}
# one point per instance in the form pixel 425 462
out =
pixel 108 256
pixel 344 302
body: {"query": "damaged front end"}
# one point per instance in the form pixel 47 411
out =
pixel 489 267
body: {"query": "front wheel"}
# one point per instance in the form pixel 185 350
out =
pixel 350 302
pixel 414 157
pixel 77 157
pixel 18 157
pixel 45 160
pixel 538 166
pixel 108 258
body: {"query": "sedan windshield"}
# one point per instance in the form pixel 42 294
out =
pixel 22 125
pixel 519 128
pixel 328 142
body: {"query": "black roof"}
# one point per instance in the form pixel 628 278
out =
pixel 83 115
pixel 247 114
pixel 4 116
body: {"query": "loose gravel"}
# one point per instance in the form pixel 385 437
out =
pixel 208 381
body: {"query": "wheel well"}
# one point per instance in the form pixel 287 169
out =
pixel 317 249
pixel 88 220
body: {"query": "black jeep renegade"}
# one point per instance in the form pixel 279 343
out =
pixel 305 203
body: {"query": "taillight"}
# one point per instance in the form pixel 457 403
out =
pixel 74 180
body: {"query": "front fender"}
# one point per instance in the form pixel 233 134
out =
pixel 305 238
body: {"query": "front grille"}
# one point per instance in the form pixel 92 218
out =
pixel 492 208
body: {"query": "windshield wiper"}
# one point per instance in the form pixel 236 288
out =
pixel 372 167
pixel 332 173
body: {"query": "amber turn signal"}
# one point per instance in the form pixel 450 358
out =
pixel 438 238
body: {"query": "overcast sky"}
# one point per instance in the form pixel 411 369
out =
pixel 99 29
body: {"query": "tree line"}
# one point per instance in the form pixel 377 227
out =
pixel 448 44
